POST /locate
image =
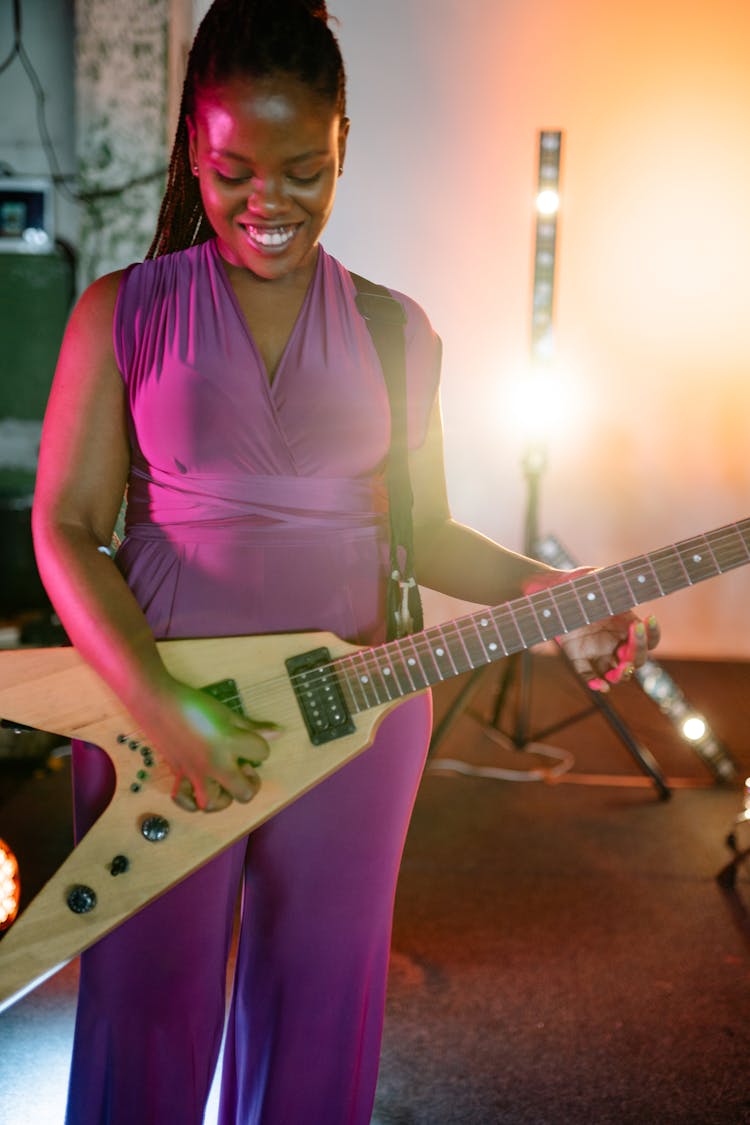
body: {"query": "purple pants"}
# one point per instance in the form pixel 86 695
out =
pixel 305 1023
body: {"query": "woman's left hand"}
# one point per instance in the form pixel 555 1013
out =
pixel 609 650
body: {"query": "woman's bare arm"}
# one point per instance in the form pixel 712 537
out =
pixel 83 468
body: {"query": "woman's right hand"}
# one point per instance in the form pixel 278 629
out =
pixel 211 750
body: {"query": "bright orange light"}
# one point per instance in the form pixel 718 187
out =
pixel 10 886
pixel 694 728
pixel 543 402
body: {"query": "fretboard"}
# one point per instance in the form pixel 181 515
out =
pixel 390 671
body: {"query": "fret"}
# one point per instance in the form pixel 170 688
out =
pixel 526 621
pixel 729 549
pixel 619 595
pixel 471 632
pixel 435 653
pixel 401 670
pixel 642 581
pixel 424 650
pixel 669 569
pixel 460 655
pixel 348 683
pixel 743 529
pixel 533 611
pixel 569 608
pixel 592 596
pixel 364 680
pixel 379 677
pixel 698 559
pixel 508 629
pixel 414 663
pixel 444 654
pixel 547 614
pixel 387 679
pixel 490 636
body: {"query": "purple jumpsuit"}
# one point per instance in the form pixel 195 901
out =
pixel 254 508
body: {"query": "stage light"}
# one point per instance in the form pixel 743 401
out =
pixel 547 207
pixel 542 401
pixel 10 886
pixel 548 202
pixel 660 688
pixel 694 728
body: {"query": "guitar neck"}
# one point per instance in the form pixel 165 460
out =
pixel 373 676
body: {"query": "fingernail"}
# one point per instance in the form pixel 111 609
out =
pixel 652 622
pixel 640 629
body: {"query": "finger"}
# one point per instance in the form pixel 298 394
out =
pixel 265 728
pixel 653 632
pixel 598 684
pixel 251 776
pixel 217 797
pixel 633 648
pixel 183 795
pixel 586 670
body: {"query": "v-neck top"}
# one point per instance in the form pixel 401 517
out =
pixel 257 506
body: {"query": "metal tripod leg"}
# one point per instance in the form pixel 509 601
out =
pixel 522 737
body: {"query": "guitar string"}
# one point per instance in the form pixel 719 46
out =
pixel 424 643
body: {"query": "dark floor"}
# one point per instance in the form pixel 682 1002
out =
pixel 562 952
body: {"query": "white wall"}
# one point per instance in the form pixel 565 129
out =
pixel 447 97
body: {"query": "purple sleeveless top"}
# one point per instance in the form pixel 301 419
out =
pixel 257 507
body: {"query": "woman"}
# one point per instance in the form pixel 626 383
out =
pixel 231 383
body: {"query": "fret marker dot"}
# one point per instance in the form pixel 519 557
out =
pixel 484 622
pixel 440 651
pixel 546 613
pixel 386 671
pixel 697 558
pixel 492 646
pixel 411 662
pixel 365 679
pixel 591 597
pixel 641 579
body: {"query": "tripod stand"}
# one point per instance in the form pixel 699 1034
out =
pixel 519 669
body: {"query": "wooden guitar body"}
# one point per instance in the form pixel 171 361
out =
pixel 54 690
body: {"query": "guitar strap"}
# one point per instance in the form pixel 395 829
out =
pixel 385 319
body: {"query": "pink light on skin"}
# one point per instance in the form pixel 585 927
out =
pixel 268 157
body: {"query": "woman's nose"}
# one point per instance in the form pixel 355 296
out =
pixel 266 196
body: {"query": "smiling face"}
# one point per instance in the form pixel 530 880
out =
pixel 268 153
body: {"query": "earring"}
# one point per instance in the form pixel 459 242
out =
pixel 195 169
pixel 341 168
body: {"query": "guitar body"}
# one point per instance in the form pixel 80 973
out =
pixel 54 690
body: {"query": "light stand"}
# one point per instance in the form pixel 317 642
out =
pixel 519 668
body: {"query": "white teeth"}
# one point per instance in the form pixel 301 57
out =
pixel 278 237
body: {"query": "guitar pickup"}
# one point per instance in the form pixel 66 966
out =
pixel 319 696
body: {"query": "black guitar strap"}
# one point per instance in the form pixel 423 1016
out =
pixel 385 319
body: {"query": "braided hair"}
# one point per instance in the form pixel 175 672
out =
pixel 249 38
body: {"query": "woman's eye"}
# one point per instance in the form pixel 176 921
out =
pixel 230 179
pixel 303 180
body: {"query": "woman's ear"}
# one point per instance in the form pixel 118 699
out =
pixel 191 141
pixel 343 134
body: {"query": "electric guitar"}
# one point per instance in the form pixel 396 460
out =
pixel 327 696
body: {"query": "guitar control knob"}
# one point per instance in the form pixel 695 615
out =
pixel 119 865
pixel 81 899
pixel 155 828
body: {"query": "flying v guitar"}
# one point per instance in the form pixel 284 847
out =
pixel 328 696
